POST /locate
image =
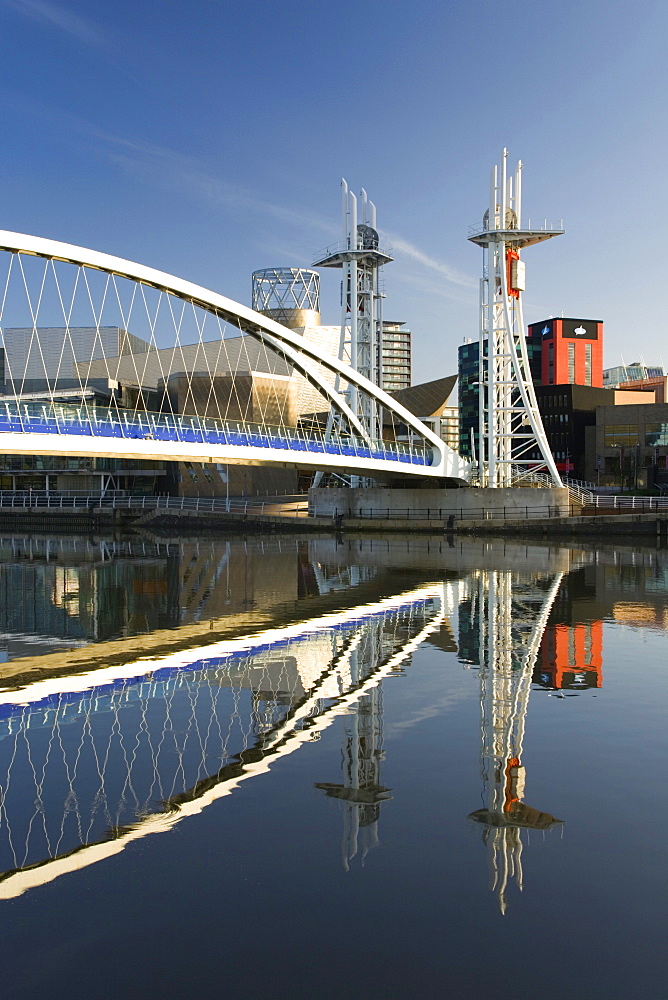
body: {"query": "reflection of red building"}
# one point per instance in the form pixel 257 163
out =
pixel 571 656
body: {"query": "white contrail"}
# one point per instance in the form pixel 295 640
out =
pixel 449 273
pixel 50 13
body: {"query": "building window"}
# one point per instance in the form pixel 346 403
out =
pixel 625 435
pixel 656 434
pixel 571 363
pixel 587 364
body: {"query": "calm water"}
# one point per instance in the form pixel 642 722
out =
pixel 339 769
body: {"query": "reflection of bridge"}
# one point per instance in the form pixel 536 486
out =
pixel 186 402
pixel 103 777
pixel 105 744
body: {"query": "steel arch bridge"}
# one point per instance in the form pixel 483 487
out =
pixel 60 302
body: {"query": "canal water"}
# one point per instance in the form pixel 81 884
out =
pixel 346 768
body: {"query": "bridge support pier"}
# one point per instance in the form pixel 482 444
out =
pixel 408 504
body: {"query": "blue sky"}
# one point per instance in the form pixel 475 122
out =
pixel 208 139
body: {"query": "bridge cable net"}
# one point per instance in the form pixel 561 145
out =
pixel 86 771
pixel 89 352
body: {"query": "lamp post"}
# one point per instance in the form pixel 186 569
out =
pixel 621 461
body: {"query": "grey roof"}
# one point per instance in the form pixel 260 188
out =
pixel 427 399
pixel 217 357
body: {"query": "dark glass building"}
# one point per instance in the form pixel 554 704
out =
pixel 558 373
pixel 469 379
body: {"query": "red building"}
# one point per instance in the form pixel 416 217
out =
pixel 572 351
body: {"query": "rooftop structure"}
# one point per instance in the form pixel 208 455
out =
pixel 657 385
pixel 429 401
pixel 290 295
pixel 636 371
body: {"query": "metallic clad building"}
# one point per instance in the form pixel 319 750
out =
pixel 289 295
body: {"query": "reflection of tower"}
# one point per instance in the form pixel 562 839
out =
pixel 361 300
pixel 511 625
pixel 510 426
pixel 361 790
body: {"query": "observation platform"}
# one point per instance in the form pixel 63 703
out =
pixel 336 255
pixel 523 233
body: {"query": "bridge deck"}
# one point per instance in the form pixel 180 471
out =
pixel 42 428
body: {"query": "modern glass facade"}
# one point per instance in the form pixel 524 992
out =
pixel 469 380
pixel 49 355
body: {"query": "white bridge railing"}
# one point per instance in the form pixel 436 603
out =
pixel 92 421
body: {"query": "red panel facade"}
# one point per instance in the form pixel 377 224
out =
pixel 572 351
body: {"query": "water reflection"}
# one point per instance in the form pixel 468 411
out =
pixel 215 659
pixel 361 790
pixel 507 616
pixel 79 590
pixel 92 762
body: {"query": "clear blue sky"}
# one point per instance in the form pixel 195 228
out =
pixel 208 138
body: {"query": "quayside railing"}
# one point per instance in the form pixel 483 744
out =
pixel 221 505
pixel 289 507
pixel 641 505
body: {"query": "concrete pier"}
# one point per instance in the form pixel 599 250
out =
pixel 440 505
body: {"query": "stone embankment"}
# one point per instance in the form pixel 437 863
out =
pixel 516 520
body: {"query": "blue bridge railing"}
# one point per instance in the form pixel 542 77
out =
pixel 38 417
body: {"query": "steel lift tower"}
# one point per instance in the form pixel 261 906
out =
pixel 361 300
pixel 511 433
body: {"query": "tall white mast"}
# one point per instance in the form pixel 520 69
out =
pixel 511 433
pixel 361 300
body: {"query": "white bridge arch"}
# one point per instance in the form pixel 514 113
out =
pixel 29 428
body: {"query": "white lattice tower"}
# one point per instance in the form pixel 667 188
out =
pixel 360 790
pixel 361 300
pixel 511 432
